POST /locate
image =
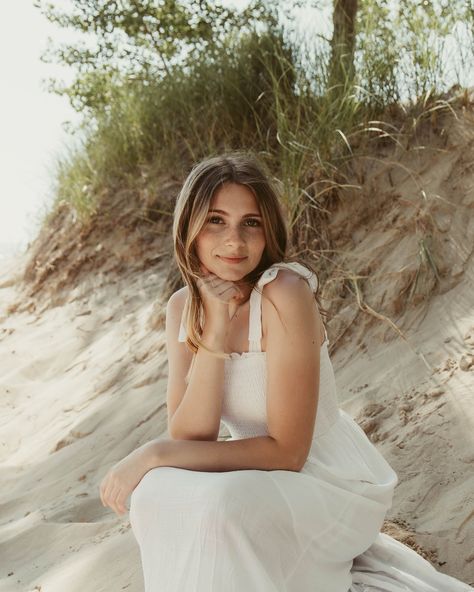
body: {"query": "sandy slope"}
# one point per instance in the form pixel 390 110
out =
pixel 82 384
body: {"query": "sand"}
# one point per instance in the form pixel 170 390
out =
pixel 83 383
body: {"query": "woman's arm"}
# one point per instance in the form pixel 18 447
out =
pixel 261 452
pixel 250 453
pixel 292 395
pixel 293 364
pixel 195 409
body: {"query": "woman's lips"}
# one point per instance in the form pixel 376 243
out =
pixel 232 259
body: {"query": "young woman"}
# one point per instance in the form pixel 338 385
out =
pixel 294 501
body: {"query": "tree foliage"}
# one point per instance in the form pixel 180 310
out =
pixel 129 39
pixel 387 51
pixel 400 46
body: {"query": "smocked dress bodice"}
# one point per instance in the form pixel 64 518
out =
pixel 245 374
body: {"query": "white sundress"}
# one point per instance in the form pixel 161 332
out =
pixel 317 530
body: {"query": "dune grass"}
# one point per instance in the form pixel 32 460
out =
pixel 267 92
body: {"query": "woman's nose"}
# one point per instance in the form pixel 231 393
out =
pixel 235 235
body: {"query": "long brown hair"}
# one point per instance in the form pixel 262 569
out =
pixel 190 214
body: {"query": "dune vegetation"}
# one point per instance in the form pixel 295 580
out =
pixel 162 85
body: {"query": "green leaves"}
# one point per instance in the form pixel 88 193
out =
pixel 137 38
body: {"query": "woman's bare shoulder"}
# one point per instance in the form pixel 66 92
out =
pixel 176 302
pixel 287 283
pixel 288 296
pixel 287 290
pixel 174 319
pixel 178 297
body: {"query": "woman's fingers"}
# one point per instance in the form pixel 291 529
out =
pixel 110 495
pixel 216 286
pixel 114 496
pixel 102 490
pixel 115 501
pixel 106 489
pixel 120 502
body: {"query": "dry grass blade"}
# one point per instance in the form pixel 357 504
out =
pixel 367 309
pixel 338 131
pixel 382 134
pixel 426 255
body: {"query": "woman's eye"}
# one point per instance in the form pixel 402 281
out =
pixel 254 221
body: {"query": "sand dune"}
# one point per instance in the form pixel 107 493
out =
pixel 83 383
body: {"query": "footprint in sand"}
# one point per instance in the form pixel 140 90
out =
pixel 404 411
pixel 469 338
pixel 466 362
pixel 370 419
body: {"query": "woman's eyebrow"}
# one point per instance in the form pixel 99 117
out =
pixel 244 216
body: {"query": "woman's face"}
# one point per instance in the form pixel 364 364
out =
pixel 234 229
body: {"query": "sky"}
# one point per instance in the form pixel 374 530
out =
pixel 31 119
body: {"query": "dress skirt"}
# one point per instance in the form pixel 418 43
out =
pixel 317 530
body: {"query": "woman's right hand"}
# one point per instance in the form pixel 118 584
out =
pixel 220 299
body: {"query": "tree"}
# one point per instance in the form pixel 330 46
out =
pixel 341 67
pixel 127 39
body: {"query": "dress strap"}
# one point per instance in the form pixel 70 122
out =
pixel 255 313
pixel 255 304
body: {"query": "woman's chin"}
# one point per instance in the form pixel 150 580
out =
pixel 231 270
pixel 231 275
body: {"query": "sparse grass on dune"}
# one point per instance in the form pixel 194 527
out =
pixel 259 92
